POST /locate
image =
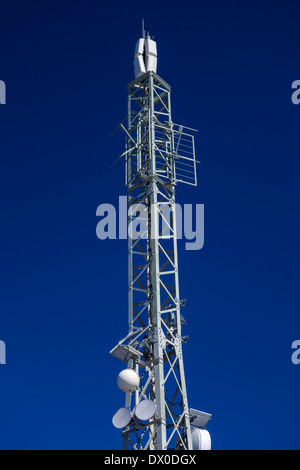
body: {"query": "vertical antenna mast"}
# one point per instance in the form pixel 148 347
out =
pixel 158 154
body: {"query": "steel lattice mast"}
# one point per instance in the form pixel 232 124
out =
pixel 158 155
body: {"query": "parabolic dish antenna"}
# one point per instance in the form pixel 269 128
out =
pixel 145 410
pixel 121 418
pixel 200 439
pixel 128 380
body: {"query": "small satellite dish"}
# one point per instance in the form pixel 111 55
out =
pixel 121 418
pixel 200 439
pixel 128 380
pixel 145 410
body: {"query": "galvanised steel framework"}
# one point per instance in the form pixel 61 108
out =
pixel 158 154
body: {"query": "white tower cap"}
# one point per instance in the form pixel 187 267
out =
pixel 145 56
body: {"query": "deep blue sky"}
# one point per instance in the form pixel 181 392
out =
pixel 64 292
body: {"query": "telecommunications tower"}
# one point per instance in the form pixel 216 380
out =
pixel 158 155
